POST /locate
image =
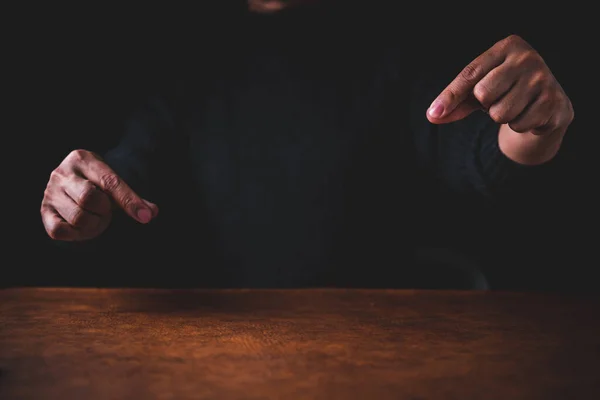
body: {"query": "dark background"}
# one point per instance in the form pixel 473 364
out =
pixel 78 74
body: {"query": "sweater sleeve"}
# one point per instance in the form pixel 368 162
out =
pixel 465 157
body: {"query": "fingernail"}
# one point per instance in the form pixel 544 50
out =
pixel 144 215
pixel 153 208
pixel 436 110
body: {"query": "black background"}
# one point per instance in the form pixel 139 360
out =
pixel 79 72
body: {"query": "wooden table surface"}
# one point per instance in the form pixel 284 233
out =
pixel 298 344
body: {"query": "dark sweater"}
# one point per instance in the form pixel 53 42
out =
pixel 300 154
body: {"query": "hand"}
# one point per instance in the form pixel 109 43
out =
pixel 513 84
pixel 80 195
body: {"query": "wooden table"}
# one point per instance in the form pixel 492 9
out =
pixel 299 344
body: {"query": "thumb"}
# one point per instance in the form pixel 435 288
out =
pixel 443 111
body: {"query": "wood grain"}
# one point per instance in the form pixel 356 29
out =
pixel 297 344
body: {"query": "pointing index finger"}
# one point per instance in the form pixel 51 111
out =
pixel 462 86
pixel 109 182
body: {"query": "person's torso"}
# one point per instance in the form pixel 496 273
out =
pixel 302 158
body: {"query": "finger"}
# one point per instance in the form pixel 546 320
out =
pixel 535 117
pixel 495 85
pixel 513 103
pixel 74 215
pixel 56 227
pixel 463 110
pixel 462 86
pixel 106 179
pixel 87 196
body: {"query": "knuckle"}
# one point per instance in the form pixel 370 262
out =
pixel 469 73
pixel 532 56
pixel 51 187
pixel 571 112
pixel 569 119
pixel 87 195
pixel 48 192
pixel 513 39
pixel 531 60
pixel 482 94
pixel 497 115
pixel 110 182
pixel 546 98
pixel 55 231
pixel 451 93
pixel 76 156
pixel 127 202
pixel 55 176
pixel 77 216
pixel 567 116
pixel 552 122
pixel 538 80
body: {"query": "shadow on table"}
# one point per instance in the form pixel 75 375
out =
pixel 224 301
